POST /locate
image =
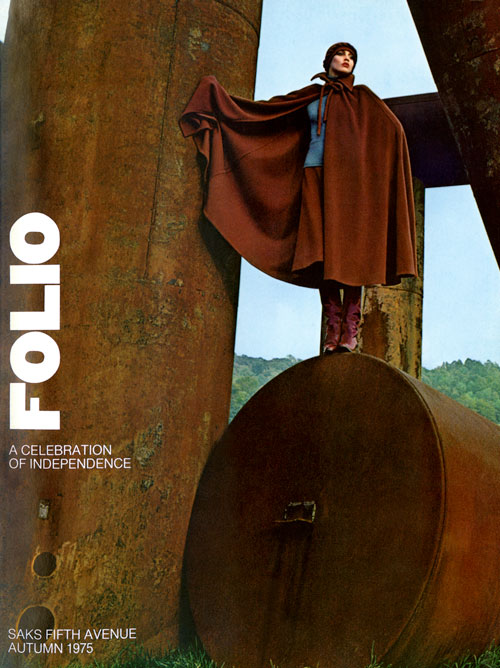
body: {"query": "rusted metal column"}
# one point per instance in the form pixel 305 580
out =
pixel 461 40
pixel 392 316
pixel 91 96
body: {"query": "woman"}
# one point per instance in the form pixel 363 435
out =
pixel 313 187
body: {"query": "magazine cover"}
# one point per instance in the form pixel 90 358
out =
pixel 349 513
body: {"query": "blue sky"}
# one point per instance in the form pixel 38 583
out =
pixel 461 277
pixel 4 12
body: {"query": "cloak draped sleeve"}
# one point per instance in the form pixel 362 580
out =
pixel 255 153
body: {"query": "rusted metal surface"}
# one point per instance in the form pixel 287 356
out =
pixel 91 96
pixel 461 40
pixel 392 316
pixel 404 548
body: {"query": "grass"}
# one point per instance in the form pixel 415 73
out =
pixel 490 658
pixel 134 656
pixel 138 657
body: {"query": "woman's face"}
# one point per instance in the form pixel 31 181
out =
pixel 341 63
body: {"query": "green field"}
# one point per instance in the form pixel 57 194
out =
pixel 136 657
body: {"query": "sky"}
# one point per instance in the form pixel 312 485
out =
pixel 4 13
pixel 461 277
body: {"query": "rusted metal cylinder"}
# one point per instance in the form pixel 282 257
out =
pixel 91 97
pixel 392 315
pixel 461 41
pixel 348 506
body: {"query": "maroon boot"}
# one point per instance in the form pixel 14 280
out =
pixel 332 307
pixel 351 319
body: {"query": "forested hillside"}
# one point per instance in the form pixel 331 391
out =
pixel 473 384
pixel 251 373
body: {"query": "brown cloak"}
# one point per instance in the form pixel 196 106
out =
pixel 255 154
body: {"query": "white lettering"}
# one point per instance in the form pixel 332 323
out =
pixel 34 273
pixel 29 252
pixel 33 418
pixel 34 372
pixel 46 319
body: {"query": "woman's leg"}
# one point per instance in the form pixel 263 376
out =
pixel 332 306
pixel 351 318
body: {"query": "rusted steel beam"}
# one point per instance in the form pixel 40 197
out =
pixel 435 158
pixel 348 506
pixel 91 97
pixel 461 40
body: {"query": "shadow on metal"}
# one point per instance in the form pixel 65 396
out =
pixel 347 505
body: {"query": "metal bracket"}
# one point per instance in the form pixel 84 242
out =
pixel 299 511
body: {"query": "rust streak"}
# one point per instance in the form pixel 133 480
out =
pixel 160 152
pixel 483 53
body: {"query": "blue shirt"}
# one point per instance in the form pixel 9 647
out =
pixel 314 157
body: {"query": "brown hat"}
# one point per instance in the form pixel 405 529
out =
pixel 333 50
